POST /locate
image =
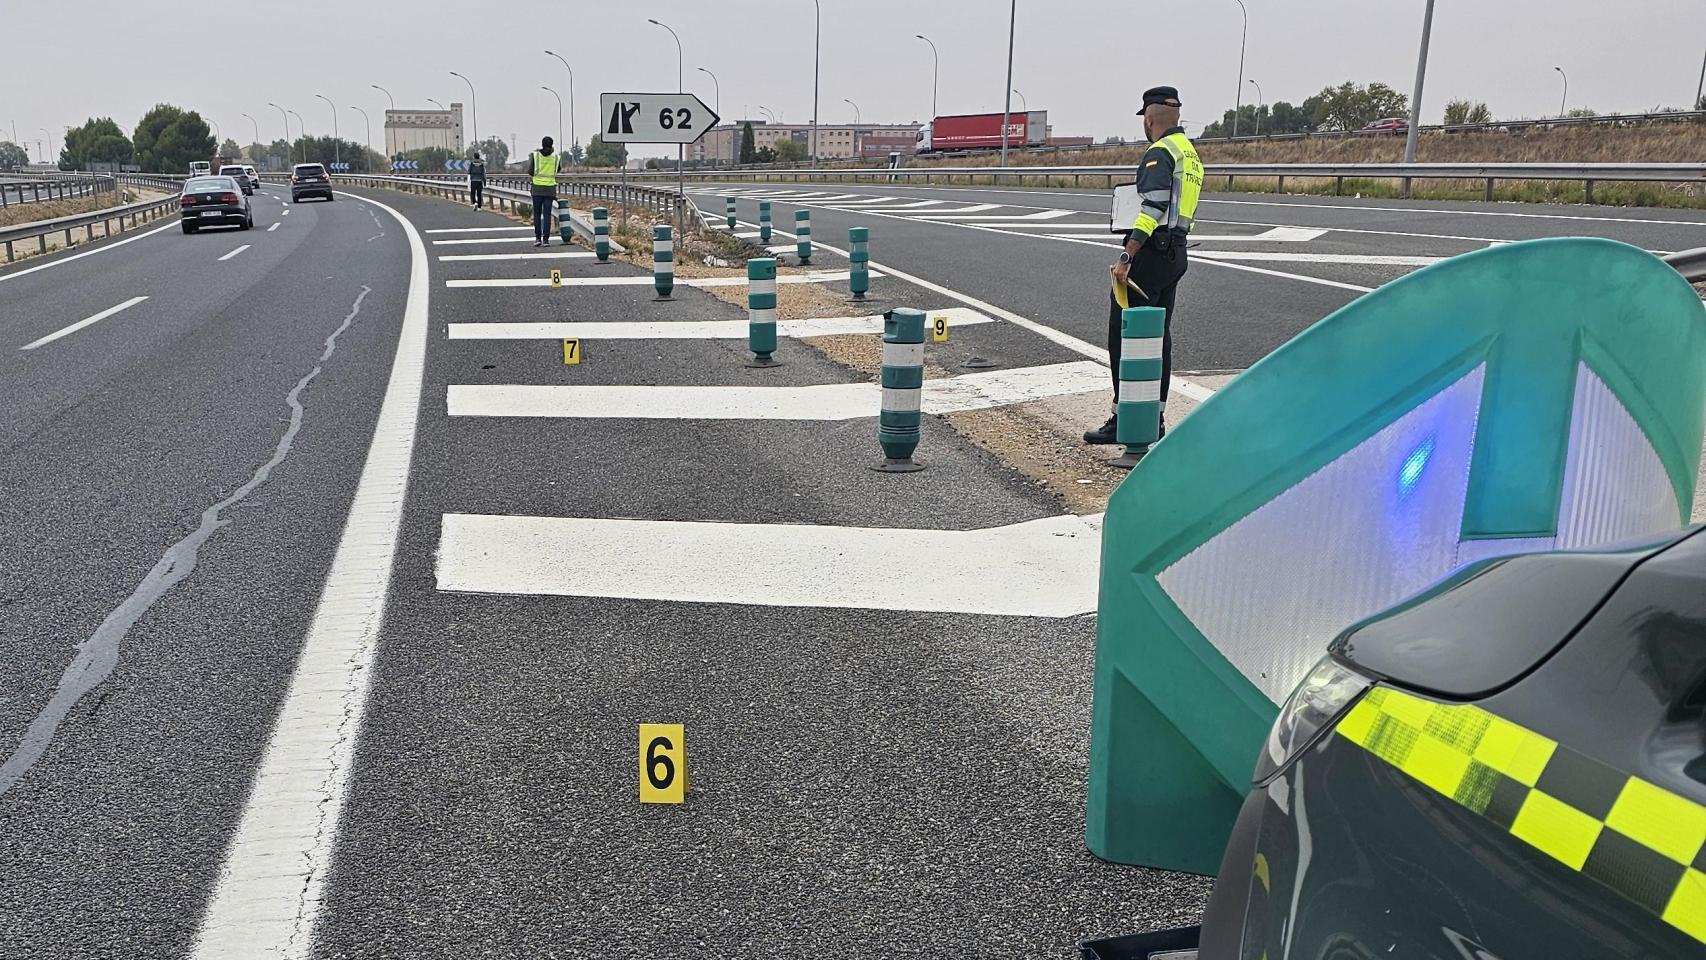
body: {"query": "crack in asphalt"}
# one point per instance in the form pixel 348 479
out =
pixel 98 655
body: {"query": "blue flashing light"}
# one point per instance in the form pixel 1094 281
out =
pixel 1414 466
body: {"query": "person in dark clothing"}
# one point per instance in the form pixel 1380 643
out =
pixel 1153 260
pixel 542 171
pixel 476 181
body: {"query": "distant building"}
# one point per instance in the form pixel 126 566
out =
pixel 407 130
pixel 722 144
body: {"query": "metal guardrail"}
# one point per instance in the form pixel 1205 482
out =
pixel 132 213
pixel 510 193
pixel 1690 263
pixel 1586 173
pixel 15 191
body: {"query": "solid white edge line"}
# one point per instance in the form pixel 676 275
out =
pixel 87 321
pixel 234 252
pixel 1194 391
pixel 105 248
pixel 271 883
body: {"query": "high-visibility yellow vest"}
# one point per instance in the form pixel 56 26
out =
pixel 1187 181
pixel 545 170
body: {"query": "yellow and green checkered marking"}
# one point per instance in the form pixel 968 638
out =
pixel 1644 842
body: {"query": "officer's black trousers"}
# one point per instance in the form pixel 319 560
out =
pixel 1158 273
pixel 474 189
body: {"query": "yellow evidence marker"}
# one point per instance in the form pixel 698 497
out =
pixel 571 352
pixel 556 278
pixel 939 328
pixel 663 763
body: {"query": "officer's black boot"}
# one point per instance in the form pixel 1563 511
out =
pixel 1104 434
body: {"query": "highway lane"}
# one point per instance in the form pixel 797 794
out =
pixel 118 438
pixel 984 241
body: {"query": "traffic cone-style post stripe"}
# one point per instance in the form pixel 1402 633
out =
pixel 764 221
pixel 803 235
pixel 858 251
pixel 663 260
pixel 898 429
pixel 565 226
pixel 729 208
pixel 1137 410
pixel 601 233
pixel 761 310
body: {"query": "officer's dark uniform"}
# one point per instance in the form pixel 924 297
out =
pixel 1169 179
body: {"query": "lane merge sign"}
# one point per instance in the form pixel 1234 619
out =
pixel 655 117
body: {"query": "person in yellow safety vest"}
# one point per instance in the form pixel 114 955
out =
pixel 542 170
pixel 1169 180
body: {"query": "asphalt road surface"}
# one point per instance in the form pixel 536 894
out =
pixel 329 622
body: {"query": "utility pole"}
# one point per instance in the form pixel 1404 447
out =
pixel 1238 98
pixel 1007 111
pixel 1416 97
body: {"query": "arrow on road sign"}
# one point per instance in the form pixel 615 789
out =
pixel 655 117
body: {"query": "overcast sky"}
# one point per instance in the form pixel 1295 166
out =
pixel 1085 62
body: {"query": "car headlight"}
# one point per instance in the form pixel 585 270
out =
pixel 1317 702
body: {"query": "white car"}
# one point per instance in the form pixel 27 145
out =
pixel 253 175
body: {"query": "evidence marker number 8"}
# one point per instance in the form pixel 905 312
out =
pixel 663 763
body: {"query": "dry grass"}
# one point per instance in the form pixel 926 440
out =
pixel 15 214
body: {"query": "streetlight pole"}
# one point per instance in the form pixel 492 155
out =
pixel 935 72
pixel 680 149
pixel 1699 88
pixel 717 105
pixel 1416 96
pixel 1260 99
pixel 445 133
pixel 1007 112
pixel 257 128
pixel 559 110
pixel 1566 97
pixel 473 107
pixel 337 141
pixel 288 155
pixel 50 147
pixel 1024 105
pixel 1238 98
pixel 366 165
pixel 767 112
pixel 301 133
pixel 817 65
pixel 573 137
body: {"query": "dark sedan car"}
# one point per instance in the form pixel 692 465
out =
pixel 236 172
pixel 214 202
pixel 1510 765
pixel 309 180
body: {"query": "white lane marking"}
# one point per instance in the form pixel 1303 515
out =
pixel 87 321
pixel 1209 258
pixel 107 248
pixel 1039 568
pixel 563 255
pixel 285 212
pixel 830 401
pixel 272 228
pixel 694 329
pixel 821 276
pixel 235 252
pixel 1186 388
pixel 1354 258
pixel 1039 215
pixel 476 230
pixel 955 214
pixel 522 239
pixel 271 885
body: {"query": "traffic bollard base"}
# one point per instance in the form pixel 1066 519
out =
pixel 975 362
pixel 763 361
pixel 908 465
pixel 1133 455
pixel 663 299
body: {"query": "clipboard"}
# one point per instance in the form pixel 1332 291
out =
pixel 1126 206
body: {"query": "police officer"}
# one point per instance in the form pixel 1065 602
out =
pixel 1153 261
pixel 476 180
pixel 542 169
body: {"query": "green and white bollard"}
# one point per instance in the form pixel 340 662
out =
pixel 663 260
pixel 903 389
pixel 729 208
pixel 601 233
pixel 803 235
pixel 565 226
pixel 764 221
pixel 859 253
pixel 1137 410
pixel 761 311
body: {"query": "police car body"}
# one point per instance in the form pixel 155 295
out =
pixel 1510 765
